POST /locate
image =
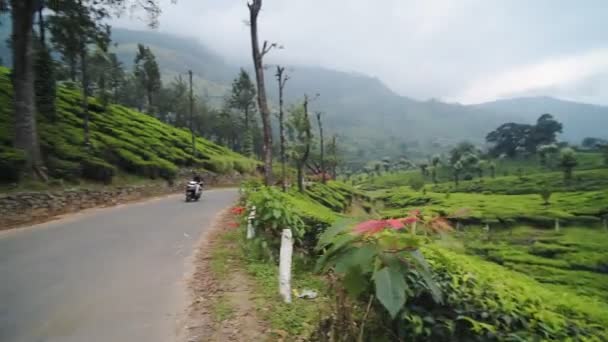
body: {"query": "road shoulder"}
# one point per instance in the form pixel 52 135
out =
pixel 222 304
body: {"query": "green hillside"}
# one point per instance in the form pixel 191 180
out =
pixel 122 141
pixel 358 106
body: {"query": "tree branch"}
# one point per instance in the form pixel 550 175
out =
pixel 267 47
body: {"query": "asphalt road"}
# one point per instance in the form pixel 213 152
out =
pixel 115 274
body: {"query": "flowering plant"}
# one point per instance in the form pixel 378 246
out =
pixel 238 210
pixel 382 255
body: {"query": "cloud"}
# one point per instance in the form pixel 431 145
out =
pixel 552 75
pixel 434 48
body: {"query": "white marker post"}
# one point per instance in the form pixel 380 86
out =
pixel 285 265
pixel 250 229
pixel 557 225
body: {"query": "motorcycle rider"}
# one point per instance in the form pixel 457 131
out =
pixel 199 182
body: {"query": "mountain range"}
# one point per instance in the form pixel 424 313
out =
pixel 371 120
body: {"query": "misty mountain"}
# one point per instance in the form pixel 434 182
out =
pixel 364 111
pixel 371 119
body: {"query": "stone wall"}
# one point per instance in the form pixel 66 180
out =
pixel 31 207
pixel 22 208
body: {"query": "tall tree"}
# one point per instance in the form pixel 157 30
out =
pixel 322 147
pixel 258 62
pixel 545 132
pixel 116 76
pixel 26 136
pixel 332 151
pixel 568 162
pixel 24 109
pixel 45 83
pixel 299 129
pixel 435 160
pixel 147 73
pixel 242 98
pixel 100 73
pixel 80 24
pixel 457 169
pixel 282 79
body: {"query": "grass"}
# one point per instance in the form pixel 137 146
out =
pixel 222 310
pixel 122 140
pixel 296 319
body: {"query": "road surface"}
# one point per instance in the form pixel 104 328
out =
pixel 114 274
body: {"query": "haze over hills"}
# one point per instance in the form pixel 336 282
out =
pixel 371 118
pixel 364 110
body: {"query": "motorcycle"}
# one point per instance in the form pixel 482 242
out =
pixel 193 191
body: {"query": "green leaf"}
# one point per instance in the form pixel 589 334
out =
pixel 390 289
pixel 359 257
pixel 425 272
pixel 355 282
pixel 328 235
pixel 276 213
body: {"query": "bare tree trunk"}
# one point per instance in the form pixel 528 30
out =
pixel 26 137
pixel 192 117
pixel 335 161
pixel 304 158
pixel 72 63
pixel 300 176
pixel 85 94
pixel 41 28
pixel 323 178
pixel 254 10
pixel 282 80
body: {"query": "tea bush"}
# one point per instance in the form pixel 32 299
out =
pixel 12 162
pixel 123 139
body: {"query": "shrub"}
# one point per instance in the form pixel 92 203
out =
pixel 273 214
pixel 416 183
pixel 98 170
pixel 244 166
pixel 545 194
pixel 12 163
pixel 163 168
pixel 64 169
pixel 129 161
pixel 218 165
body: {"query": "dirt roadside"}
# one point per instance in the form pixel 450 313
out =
pixel 221 304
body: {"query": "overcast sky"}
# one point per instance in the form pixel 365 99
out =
pixel 468 51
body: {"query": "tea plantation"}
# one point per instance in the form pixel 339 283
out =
pixel 122 140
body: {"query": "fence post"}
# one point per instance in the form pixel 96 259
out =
pixel 285 265
pixel 250 229
pixel 557 225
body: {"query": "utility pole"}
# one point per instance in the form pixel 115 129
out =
pixel 192 117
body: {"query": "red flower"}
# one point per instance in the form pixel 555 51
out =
pixel 238 210
pixel 233 224
pixel 370 227
pixel 395 223
pixel 409 220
